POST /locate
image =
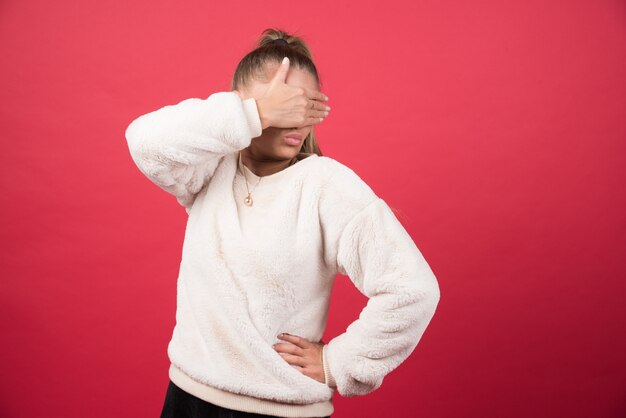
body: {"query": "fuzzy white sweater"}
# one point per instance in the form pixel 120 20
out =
pixel 249 273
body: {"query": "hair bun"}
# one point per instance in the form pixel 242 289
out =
pixel 280 41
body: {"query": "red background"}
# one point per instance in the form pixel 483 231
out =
pixel 495 128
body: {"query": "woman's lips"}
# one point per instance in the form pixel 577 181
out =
pixel 293 139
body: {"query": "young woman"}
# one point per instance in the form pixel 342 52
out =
pixel 271 221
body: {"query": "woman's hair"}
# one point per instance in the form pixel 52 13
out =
pixel 266 51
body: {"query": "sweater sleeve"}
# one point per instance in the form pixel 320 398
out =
pixel 178 147
pixel 375 251
pixel 328 377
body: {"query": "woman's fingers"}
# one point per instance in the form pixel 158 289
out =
pixel 316 108
pixel 285 106
pixel 316 105
pixel 315 95
pixel 294 349
pixel 295 339
pixel 316 113
pixel 294 359
pixel 307 355
pixel 312 121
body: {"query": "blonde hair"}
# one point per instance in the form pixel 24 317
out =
pixel 253 66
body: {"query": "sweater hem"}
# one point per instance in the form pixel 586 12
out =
pixel 246 403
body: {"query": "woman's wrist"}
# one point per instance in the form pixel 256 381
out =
pixel 328 377
pixel 260 105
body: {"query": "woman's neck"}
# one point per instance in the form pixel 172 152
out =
pixel 262 166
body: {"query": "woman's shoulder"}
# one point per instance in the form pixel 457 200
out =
pixel 342 185
pixel 339 173
pixel 325 164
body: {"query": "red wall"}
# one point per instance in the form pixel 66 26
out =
pixel 496 128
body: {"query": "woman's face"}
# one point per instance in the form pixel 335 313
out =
pixel 271 144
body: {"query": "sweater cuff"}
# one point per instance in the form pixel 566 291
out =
pixel 252 114
pixel 328 377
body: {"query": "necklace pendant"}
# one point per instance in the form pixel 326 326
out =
pixel 248 200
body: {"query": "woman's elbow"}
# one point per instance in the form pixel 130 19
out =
pixel 425 293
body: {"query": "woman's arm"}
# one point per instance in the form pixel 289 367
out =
pixel 383 262
pixel 178 147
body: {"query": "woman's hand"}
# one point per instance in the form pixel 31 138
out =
pixel 304 353
pixel 285 106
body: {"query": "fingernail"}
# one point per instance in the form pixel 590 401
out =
pixel 327 107
pixel 325 97
pixel 326 113
pixel 285 60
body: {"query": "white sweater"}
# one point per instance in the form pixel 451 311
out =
pixel 249 273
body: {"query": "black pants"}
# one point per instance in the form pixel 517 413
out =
pixel 180 404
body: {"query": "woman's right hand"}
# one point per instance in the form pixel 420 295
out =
pixel 285 106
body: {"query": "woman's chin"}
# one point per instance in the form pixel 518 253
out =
pixel 281 150
pixel 286 151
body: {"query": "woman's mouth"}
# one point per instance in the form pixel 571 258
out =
pixel 293 139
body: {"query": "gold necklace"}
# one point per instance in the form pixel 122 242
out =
pixel 248 199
